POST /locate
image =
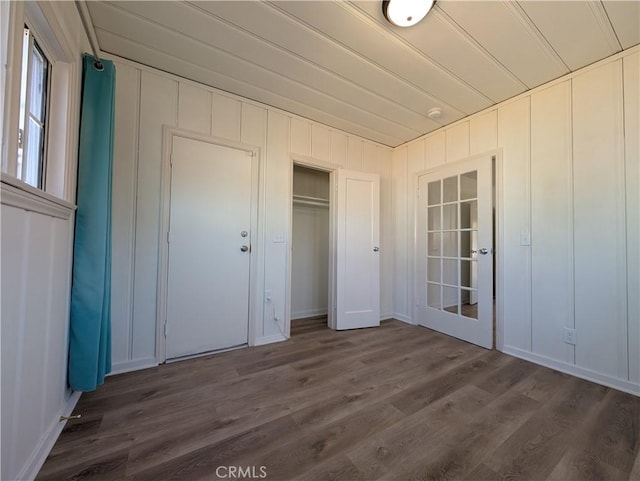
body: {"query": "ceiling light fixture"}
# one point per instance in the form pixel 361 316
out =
pixel 434 113
pixel 405 13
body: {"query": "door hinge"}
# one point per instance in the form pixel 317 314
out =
pixel 168 237
pixel 20 138
pixel 165 328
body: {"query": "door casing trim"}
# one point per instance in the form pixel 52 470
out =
pixel 255 279
pixel 331 168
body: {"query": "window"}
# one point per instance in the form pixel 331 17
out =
pixel 34 87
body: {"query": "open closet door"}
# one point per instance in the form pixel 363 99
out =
pixel 357 250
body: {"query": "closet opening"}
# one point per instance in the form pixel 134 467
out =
pixel 310 249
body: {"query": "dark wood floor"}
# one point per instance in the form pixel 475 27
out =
pixel 396 403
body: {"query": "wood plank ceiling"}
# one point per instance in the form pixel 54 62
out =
pixel 340 63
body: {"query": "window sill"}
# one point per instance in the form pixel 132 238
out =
pixel 16 193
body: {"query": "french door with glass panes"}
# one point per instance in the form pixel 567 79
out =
pixel 454 251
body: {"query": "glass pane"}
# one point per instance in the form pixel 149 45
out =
pixel 469 301
pixel 450 299
pixel 433 190
pixel 33 152
pixel 450 244
pixel 36 101
pixel 469 273
pixel 469 185
pixel 433 269
pixel 469 215
pixel 450 271
pixel 450 189
pixel 468 242
pixel 433 244
pixel 433 218
pixel 450 216
pixel 433 295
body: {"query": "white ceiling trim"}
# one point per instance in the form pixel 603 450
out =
pixel 603 21
pixel 238 88
pixel 340 63
pixel 527 24
pixel 278 78
pixel 552 83
pixel 354 10
pixel 418 116
pixel 473 43
pixel 442 80
pixel 399 91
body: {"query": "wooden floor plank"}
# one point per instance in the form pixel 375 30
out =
pixel 612 434
pixel 336 468
pixel 391 403
pixel 387 453
pixel 533 451
pixel 578 465
pixel 294 456
pixel 464 444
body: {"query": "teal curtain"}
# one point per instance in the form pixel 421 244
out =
pixel 90 329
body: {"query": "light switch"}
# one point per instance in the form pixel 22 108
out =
pixel 278 237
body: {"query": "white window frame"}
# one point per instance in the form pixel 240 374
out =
pixel 24 130
pixel 62 47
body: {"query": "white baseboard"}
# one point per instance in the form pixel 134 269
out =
pixel 261 341
pixel 403 318
pixel 134 365
pixel 309 313
pixel 386 316
pixel 39 456
pixel 589 375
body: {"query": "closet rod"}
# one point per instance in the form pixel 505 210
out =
pixel 317 203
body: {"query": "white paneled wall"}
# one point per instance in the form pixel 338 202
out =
pixel 37 241
pixel 401 236
pixel 513 271
pixel 147 100
pixel 551 213
pixel 567 184
pixel 310 243
pixel 36 267
pixel 599 221
pixel 631 68
pixel 310 261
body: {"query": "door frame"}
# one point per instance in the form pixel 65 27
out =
pixel 255 307
pixel 332 169
pixel 498 239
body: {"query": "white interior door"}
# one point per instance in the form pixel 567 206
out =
pixel 454 251
pixel 357 250
pixel 209 248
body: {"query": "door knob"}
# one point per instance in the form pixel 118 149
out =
pixel 376 249
pixel 244 233
pixel 244 248
pixel 484 251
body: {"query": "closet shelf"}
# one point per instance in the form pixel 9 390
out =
pixel 307 200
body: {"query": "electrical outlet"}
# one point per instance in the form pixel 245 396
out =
pixel 267 296
pixel 569 336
